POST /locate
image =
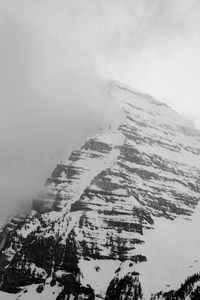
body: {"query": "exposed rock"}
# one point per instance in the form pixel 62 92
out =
pixel 128 287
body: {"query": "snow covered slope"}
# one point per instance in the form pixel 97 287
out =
pixel 118 219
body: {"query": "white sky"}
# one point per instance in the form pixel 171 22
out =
pixel 55 57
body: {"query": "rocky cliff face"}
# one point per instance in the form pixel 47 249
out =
pixel 112 213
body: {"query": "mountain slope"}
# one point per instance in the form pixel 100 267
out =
pixel 114 211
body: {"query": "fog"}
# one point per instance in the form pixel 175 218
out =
pixel 55 60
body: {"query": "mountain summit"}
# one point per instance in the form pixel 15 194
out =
pixel 120 217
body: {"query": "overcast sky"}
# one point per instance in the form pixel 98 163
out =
pixel 55 59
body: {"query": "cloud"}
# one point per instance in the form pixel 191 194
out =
pixel 51 99
pixel 55 59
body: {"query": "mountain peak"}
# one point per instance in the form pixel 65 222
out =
pixel 94 231
pixel 116 86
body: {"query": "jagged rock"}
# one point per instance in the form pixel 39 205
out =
pixel 128 288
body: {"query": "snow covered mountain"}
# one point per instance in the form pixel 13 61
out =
pixel 120 219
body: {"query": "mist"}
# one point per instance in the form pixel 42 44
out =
pixel 50 103
pixel 55 60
